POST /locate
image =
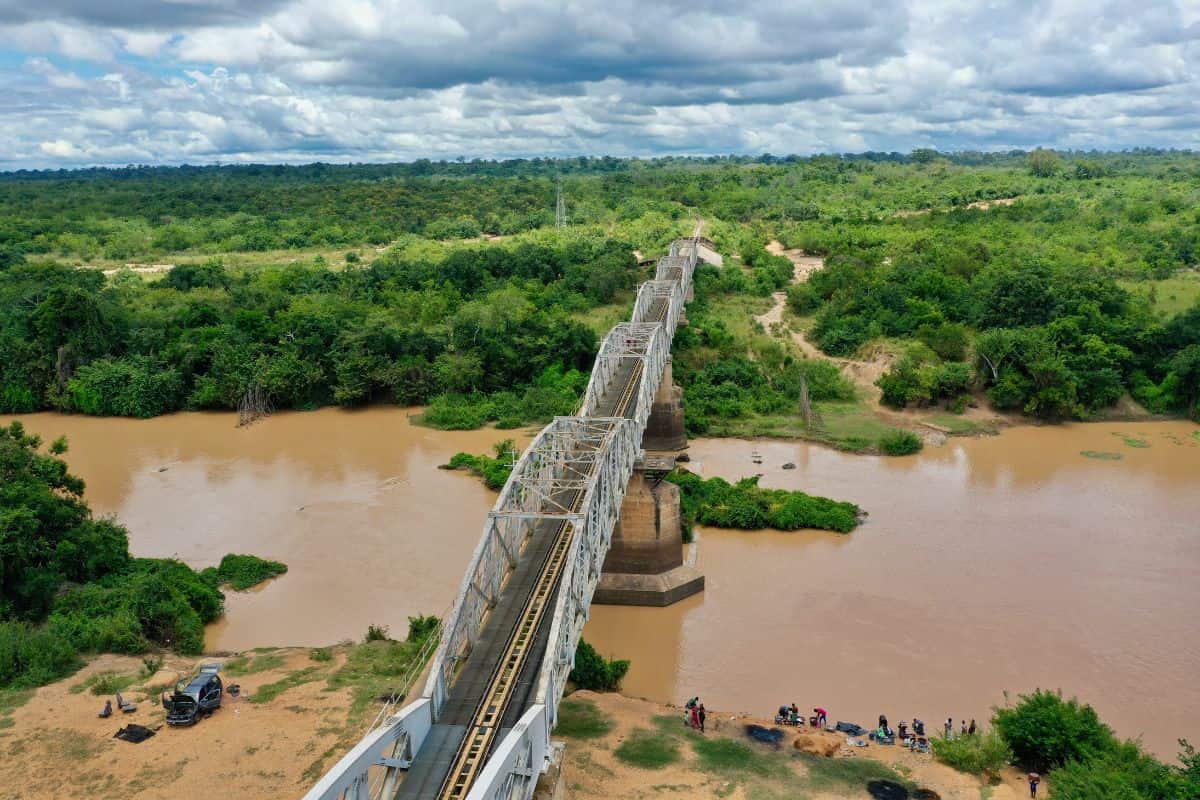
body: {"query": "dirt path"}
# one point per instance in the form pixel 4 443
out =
pixel 863 373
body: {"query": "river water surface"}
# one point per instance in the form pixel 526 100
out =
pixel 1002 563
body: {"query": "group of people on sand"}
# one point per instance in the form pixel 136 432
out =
pixel 917 732
pixel 790 715
pixel 694 714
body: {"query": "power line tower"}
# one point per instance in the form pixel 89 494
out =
pixel 560 207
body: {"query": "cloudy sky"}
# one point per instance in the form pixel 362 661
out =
pixel 143 81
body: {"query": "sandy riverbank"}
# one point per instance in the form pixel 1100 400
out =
pixel 592 767
pixel 277 748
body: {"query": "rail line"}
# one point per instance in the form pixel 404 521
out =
pixel 481 734
pixel 473 751
pixel 482 726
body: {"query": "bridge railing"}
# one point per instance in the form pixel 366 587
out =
pixel 651 292
pixel 517 761
pixel 585 560
pixel 391 746
pixel 551 464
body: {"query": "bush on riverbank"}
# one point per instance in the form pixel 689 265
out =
pixel 69 585
pixel 593 671
pixel 746 505
pixel 983 754
pixel 1085 759
pixel 900 443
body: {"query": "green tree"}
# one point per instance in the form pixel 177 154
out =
pixel 1044 163
pixel 1045 731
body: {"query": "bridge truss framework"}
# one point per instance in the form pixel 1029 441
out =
pixel 573 476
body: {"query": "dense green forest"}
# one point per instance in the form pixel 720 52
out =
pixel 367 283
pixel 68 584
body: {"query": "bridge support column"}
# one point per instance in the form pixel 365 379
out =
pixel 645 564
pixel 664 428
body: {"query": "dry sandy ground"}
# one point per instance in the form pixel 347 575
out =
pixel 58 747
pixel 981 205
pixel 591 770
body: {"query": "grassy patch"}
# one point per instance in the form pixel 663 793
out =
pixel 733 758
pixel 251 664
pixel 648 750
pixel 985 754
pixel 1100 455
pixel 316 769
pixel 71 746
pixel 958 425
pixel 834 774
pixel 103 683
pixel 581 719
pixel 269 691
pixel 12 699
pixel 374 669
pixel 1169 296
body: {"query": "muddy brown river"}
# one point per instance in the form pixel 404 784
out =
pixel 986 565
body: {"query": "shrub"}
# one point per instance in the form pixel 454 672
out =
pixel 494 471
pixel 948 340
pixel 900 443
pixel 1123 772
pixel 31 657
pixel 1045 731
pixel 103 683
pixel 985 754
pixel 747 506
pixel 803 299
pixel 421 627
pixel 376 633
pixel 242 572
pixel 593 671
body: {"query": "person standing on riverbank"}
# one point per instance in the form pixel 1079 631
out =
pixel 949 727
pixel 971 729
pixel 701 714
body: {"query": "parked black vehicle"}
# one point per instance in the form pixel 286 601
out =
pixel 194 699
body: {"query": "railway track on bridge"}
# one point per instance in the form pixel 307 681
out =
pixel 485 725
pixel 482 726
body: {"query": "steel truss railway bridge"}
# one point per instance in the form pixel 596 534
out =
pixel 481 728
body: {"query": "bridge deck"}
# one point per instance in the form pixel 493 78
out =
pixel 428 775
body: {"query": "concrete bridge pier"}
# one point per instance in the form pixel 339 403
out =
pixel 645 565
pixel 664 429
